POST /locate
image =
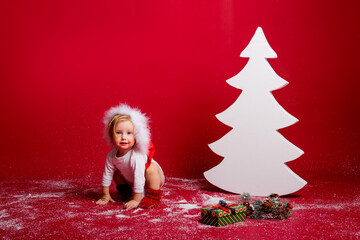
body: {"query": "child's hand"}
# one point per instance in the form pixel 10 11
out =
pixel 105 199
pixel 131 204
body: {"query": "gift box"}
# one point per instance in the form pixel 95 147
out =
pixel 223 214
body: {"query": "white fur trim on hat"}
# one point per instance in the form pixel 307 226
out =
pixel 141 126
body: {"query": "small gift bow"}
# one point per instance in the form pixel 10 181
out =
pixel 223 206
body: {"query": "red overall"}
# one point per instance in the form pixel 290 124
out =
pixel 150 155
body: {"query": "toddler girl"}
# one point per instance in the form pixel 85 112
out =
pixel 130 162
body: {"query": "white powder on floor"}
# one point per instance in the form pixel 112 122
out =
pixel 108 212
pixel 46 195
pixel 155 220
pixel 4 214
pixel 121 216
pixel 188 206
pixel 11 224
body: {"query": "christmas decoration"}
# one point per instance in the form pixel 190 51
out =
pixel 254 142
pixel 223 214
pixel 271 207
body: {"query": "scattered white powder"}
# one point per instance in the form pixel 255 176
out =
pixel 336 206
pixel 192 216
pixel 144 214
pixel 168 209
pixel 182 180
pixel 137 210
pixel 53 184
pixel 11 224
pixel 69 215
pixel 4 214
pixel 189 206
pixel 155 220
pixel 182 212
pixel 121 216
pixel 166 192
pixel 109 212
pixel 47 195
pixel 122 228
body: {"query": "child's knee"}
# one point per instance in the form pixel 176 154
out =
pixel 154 176
pixel 151 170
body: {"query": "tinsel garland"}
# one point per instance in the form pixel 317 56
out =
pixel 271 207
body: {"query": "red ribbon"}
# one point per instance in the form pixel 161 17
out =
pixel 226 208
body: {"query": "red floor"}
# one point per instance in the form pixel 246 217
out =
pixel 66 209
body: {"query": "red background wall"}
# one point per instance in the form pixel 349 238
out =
pixel 63 63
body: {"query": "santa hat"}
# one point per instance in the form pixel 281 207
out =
pixel 141 126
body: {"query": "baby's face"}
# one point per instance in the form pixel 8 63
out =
pixel 124 138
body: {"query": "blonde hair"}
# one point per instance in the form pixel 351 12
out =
pixel 110 128
pixel 137 118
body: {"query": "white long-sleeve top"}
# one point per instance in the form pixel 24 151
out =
pixel 131 166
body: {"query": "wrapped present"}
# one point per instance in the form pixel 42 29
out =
pixel 223 214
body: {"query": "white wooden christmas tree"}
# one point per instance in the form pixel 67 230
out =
pixel 254 151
